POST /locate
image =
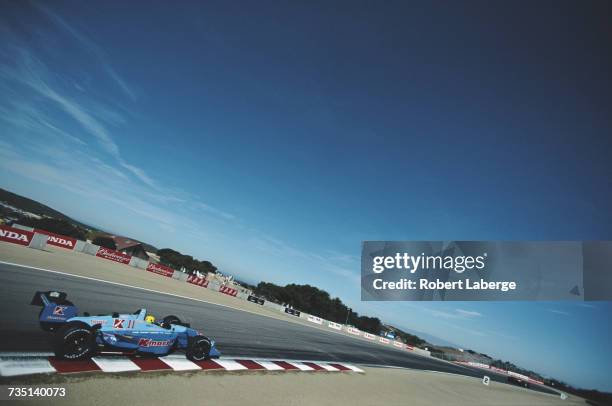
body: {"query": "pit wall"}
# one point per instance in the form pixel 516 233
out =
pixel 38 239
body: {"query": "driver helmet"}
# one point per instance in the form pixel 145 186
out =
pixel 150 319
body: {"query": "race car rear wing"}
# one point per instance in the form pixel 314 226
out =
pixel 55 309
pixel 44 298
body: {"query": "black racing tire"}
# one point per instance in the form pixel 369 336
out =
pixel 168 320
pixel 74 341
pixel 198 349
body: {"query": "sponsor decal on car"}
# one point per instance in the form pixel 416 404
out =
pixel 96 322
pixel 122 323
pixel 59 310
pixel 148 342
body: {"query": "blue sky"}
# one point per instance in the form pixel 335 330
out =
pixel 273 138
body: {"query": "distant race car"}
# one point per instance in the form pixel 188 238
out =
pixel 515 380
pixel 136 333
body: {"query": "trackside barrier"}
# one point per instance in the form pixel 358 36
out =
pixel 335 326
pixel 398 344
pixel 194 280
pixel 353 331
pixel 16 235
pixel 54 239
pixel 421 352
pixel 138 263
pixel 314 319
pixel 383 340
pixel 113 255
pixel 24 228
pixel 256 300
pixel 79 246
pixel 159 269
pixel 180 276
pixel 39 241
pixel 91 249
pixel 58 240
pixel 369 336
pixel 274 306
pixel 142 264
pixel 228 291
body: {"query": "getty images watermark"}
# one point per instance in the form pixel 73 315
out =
pixel 486 270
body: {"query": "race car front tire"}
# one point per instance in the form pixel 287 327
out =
pixel 74 341
pixel 198 349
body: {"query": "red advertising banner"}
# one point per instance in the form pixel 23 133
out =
pixel 197 281
pixel 15 235
pixel 58 240
pixel 113 255
pixel 160 269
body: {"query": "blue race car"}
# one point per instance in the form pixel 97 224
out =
pixel 78 337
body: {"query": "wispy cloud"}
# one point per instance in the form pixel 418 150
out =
pixel 91 47
pixel 33 74
pixel 63 133
pixel 468 313
pixel 456 314
pixel 84 146
pixel 84 159
pixel 560 312
pixel 586 305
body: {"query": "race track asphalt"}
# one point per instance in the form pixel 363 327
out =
pixel 237 333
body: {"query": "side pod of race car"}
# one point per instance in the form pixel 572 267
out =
pixel 78 337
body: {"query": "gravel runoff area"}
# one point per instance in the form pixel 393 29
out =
pixel 378 386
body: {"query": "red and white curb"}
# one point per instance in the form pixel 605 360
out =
pixel 15 365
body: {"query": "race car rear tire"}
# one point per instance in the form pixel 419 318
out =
pixel 199 349
pixel 74 341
